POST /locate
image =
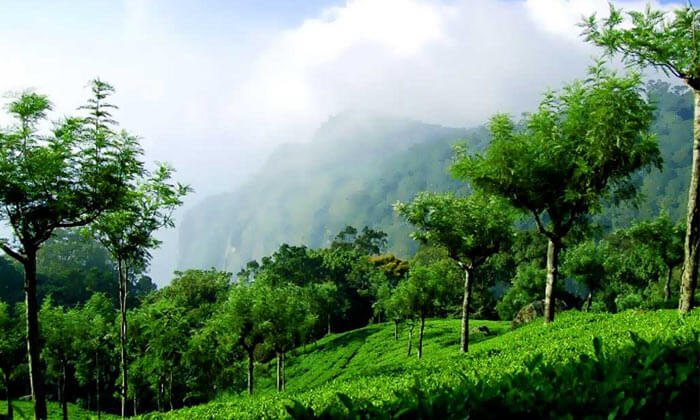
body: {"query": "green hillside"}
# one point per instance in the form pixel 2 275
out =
pixel 368 365
pixel 358 165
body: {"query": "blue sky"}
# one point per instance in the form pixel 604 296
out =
pixel 214 86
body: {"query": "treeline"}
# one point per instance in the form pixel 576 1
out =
pixel 202 335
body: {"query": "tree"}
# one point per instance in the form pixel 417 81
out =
pixel 239 323
pixel 94 353
pixel 286 318
pixel 59 353
pixel 471 229
pixel 585 263
pixel 12 350
pixel 65 179
pixel 326 302
pixel 672 46
pixel 127 232
pixel 663 239
pixel 581 145
pixel 74 267
pixel 422 293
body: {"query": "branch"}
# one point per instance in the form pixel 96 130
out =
pixel 540 226
pixel 12 253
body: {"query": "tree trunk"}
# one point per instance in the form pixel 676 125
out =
pixel 284 377
pixel 10 413
pixel 97 383
pixel 123 293
pixel 589 300
pixel 420 336
pixel 279 372
pixel 689 277
pixel 250 372
pixel 396 330
pixel 667 285
pixel 329 325
pixel 410 338
pixel 553 249
pixel 464 336
pixel 33 344
pixel 64 399
pixel 135 406
pixel 170 391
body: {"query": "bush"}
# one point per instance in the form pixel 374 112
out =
pixel 657 379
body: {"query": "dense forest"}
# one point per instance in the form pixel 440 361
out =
pixel 541 266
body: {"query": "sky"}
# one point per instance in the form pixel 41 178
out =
pixel 212 87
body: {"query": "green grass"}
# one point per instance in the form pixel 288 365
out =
pixel 25 410
pixel 367 364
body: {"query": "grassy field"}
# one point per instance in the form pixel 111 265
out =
pixel 24 410
pixel 367 364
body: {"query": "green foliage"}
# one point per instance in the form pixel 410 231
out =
pixel 372 370
pixel 471 229
pixel 597 386
pixel 580 146
pixel 651 38
pixel 527 286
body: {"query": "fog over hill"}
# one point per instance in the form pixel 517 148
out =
pixel 358 164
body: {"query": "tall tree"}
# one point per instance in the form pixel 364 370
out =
pixel 65 179
pixel 471 229
pixel 581 145
pixel 12 350
pixel 672 45
pixel 127 233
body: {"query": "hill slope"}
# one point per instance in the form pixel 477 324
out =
pixel 358 165
pixel 367 364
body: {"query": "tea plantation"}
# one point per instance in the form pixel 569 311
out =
pixel 584 365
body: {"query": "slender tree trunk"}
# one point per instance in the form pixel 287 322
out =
pixel 589 300
pixel 279 372
pixel 123 293
pixel 161 391
pixel 135 406
pixel 410 338
pixel 464 336
pixel 284 377
pixel 553 249
pixel 667 285
pixel 251 379
pixel 33 344
pixel 689 277
pixel 329 325
pixel 10 413
pixel 64 399
pixel 97 384
pixel 396 330
pixel 170 391
pixel 420 336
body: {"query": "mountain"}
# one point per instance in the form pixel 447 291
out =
pixel 357 165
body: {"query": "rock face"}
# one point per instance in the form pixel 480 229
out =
pixel 482 329
pixel 534 310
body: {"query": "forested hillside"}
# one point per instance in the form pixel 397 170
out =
pixel 358 165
